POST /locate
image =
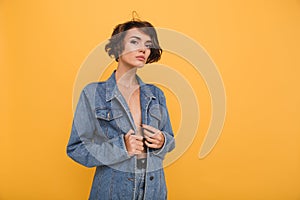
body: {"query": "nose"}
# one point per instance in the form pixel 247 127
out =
pixel 142 48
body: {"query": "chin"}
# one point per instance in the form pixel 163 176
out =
pixel 141 66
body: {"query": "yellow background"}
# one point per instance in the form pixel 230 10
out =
pixel 255 45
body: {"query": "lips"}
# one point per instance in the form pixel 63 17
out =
pixel 141 58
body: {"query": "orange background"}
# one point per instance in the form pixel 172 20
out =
pixel 255 45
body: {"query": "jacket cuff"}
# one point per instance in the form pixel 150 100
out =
pixel 167 146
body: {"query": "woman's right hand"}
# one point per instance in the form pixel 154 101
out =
pixel 134 143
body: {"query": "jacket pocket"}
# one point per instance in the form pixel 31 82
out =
pixel 111 121
pixel 156 116
pixel 108 114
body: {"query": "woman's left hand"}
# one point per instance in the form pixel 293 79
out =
pixel 154 137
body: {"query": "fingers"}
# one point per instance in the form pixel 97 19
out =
pixel 152 132
pixel 155 143
pixel 130 132
pixel 154 137
pixel 149 128
pixel 151 145
pixel 134 143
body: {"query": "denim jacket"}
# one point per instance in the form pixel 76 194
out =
pixel 101 120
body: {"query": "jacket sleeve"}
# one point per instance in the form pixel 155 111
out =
pixel 82 146
pixel 166 130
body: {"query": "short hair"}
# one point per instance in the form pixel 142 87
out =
pixel 115 46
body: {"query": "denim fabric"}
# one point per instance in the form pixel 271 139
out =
pixel 140 184
pixel 101 120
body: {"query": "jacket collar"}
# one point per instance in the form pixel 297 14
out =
pixel 113 91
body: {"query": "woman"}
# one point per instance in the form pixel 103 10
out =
pixel 122 126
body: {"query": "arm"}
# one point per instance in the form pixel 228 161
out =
pixel 87 145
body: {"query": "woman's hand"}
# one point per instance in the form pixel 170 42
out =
pixel 134 143
pixel 154 137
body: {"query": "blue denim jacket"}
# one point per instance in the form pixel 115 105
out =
pixel 101 120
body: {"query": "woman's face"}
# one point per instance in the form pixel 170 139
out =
pixel 136 48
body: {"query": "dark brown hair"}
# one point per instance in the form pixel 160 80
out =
pixel 115 46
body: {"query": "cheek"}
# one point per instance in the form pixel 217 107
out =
pixel 148 52
pixel 128 52
pixel 129 48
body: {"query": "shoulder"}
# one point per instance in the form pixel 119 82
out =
pixel 156 91
pixel 93 88
pixel 153 88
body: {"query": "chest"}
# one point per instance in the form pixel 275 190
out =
pixel 133 101
pixel 124 112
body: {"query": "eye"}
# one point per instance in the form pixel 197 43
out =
pixel 134 42
pixel 149 45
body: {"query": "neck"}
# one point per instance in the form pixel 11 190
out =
pixel 126 77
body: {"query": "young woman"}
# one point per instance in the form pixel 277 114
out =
pixel 122 125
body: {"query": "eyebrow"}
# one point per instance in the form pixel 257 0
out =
pixel 138 38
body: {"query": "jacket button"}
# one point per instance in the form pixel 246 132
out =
pixel 151 178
